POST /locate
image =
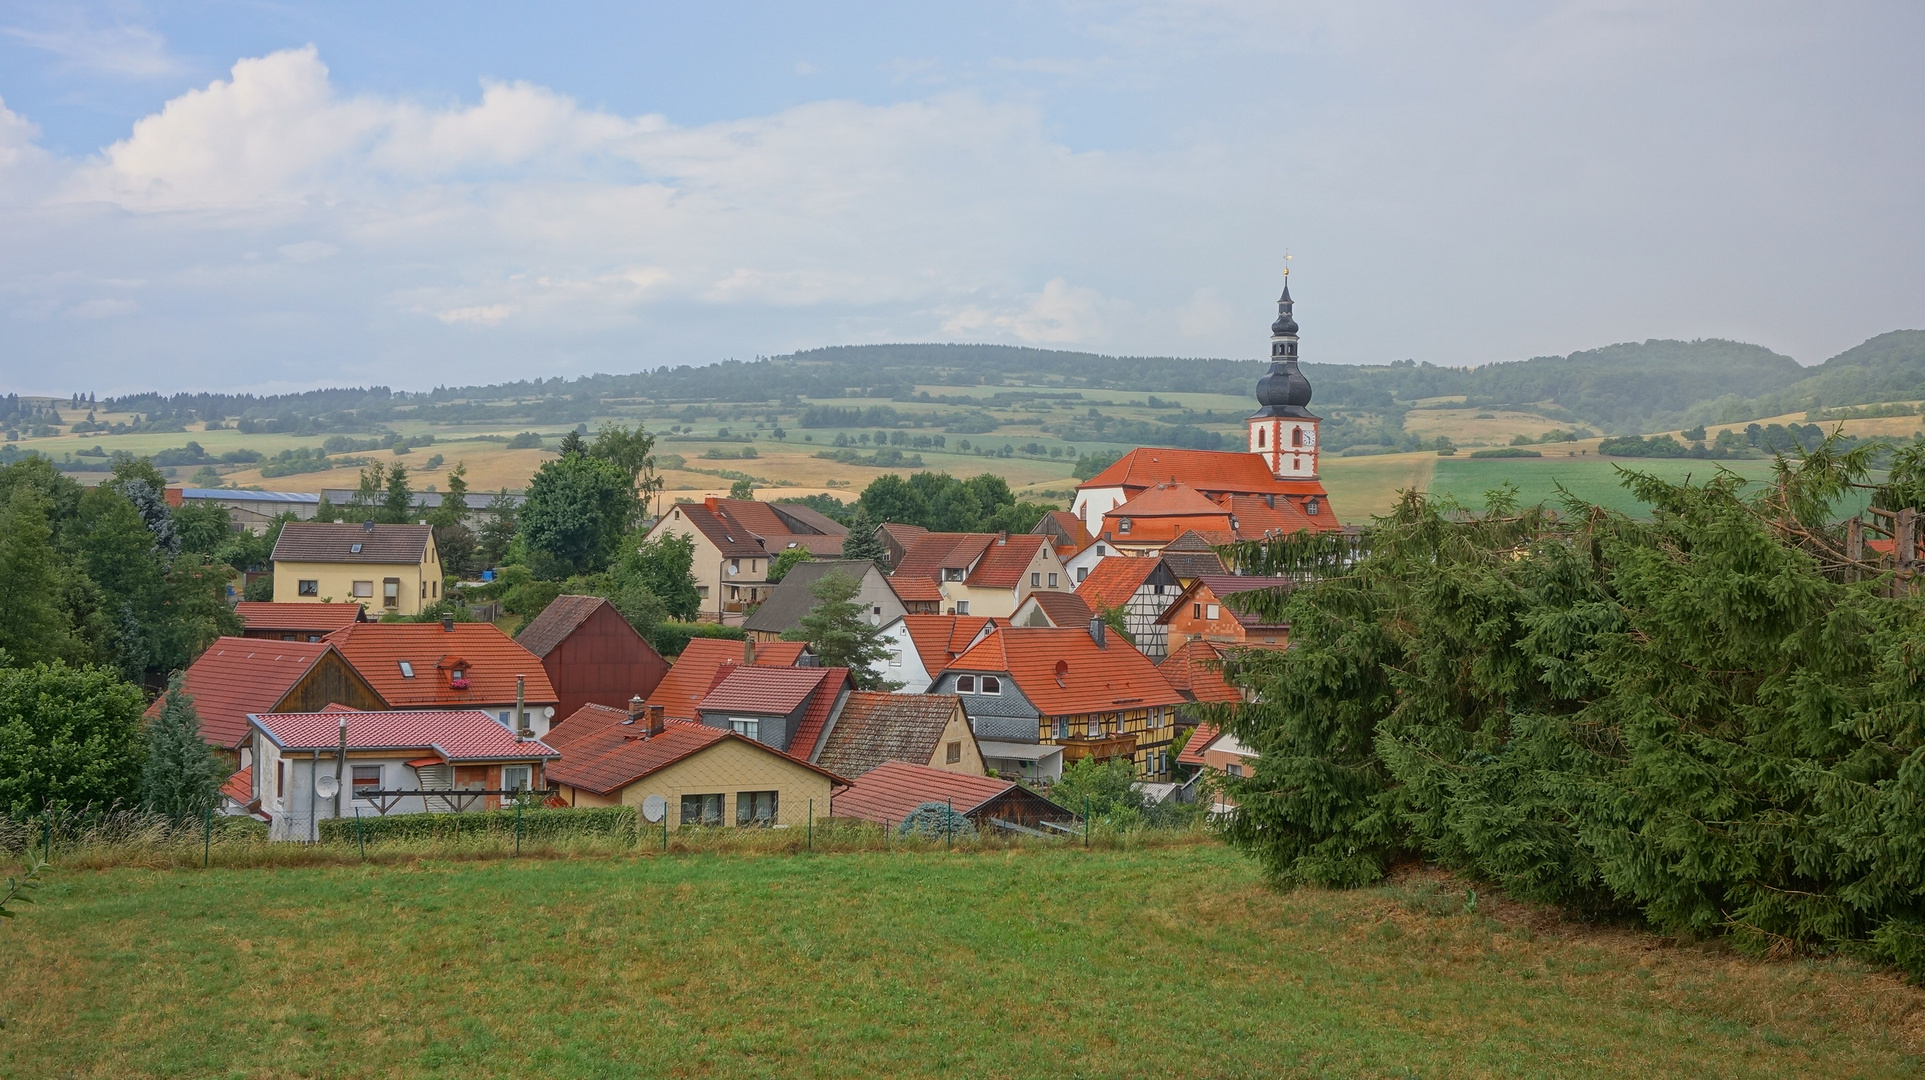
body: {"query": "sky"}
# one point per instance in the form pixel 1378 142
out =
pixel 229 195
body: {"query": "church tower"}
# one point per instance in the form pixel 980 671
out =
pixel 1283 431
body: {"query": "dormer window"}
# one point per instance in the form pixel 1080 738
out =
pixel 407 670
pixel 458 678
pixel 1123 525
pixel 1311 506
pixel 992 685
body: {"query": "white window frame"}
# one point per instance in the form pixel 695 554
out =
pixel 991 685
pixel 524 773
pixel 965 684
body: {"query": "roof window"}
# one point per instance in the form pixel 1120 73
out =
pixel 354 549
pixel 407 670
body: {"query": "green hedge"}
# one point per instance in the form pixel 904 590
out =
pixel 1508 451
pixel 670 638
pixel 542 823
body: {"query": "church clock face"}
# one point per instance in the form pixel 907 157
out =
pixel 1309 437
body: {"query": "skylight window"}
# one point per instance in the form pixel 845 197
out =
pixel 407 670
pixel 354 549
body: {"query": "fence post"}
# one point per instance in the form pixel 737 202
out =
pixel 1086 823
pixel 949 823
pixel 665 829
pixel 46 841
pixel 207 838
pixel 360 834
pixel 517 828
pixel 811 824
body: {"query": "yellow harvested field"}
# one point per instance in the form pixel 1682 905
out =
pixel 1361 487
pixel 1464 427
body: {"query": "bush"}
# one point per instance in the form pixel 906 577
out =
pixel 537 823
pixel 672 637
pixel 527 440
pixel 1508 451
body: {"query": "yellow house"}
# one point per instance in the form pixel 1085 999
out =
pixel 707 775
pixel 979 573
pixel 381 567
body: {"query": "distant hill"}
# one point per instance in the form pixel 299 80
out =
pixel 1626 388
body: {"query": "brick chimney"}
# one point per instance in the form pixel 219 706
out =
pixel 713 502
pixel 657 719
pixel 635 707
pixel 748 651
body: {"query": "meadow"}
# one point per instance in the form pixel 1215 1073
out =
pixel 1166 961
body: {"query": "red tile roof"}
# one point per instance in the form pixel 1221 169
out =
pixel 1204 470
pixel 584 721
pixel 888 792
pixel 1224 586
pixel 1169 500
pixel 614 757
pixel 1065 530
pixel 1064 672
pixel 240 786
pixel 939 639
pixel 237 676
pixel 1114 579
pixel 694 672
pixel 765 690
pixel 297 618
pixel 1199 741
pixel 452 735
pixel 1256 518
pixel 1007 560
pixel 932 553
pixel 746 528
pixel 1195 669
pixel 556 621
pixel 489 658
pixel 1063 609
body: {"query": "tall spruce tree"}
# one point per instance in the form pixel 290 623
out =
pixel 841 637
pixel 182 775
pixel 863 543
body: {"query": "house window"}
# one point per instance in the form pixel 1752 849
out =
pixel 354 549
pixel 1122 524
pixel 364 589
pixel 702 809
pixel 953 573
pixel 749 728
pixel 702 591
pixel 962 607
pixel 1196 611
pixel 1211 611
pixel 280 779
pixel 1052 581
pixel 952 753
pixel 1310 507
pixel 992 685
pixel 965 684
pixel 516 777
pixel 391 592
pixel 1233 769
pixel 407 670
pixel 424 590
pixel 1296 436
pixel 1036 580
pixel 1082 573
pixel 366 778
pixel 755 808
pixel 308 587
pixel 1100 552
pixel 1095 728
pixel 1062 727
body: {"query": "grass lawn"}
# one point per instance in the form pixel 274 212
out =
pixel 1589 477
pixel 1166 962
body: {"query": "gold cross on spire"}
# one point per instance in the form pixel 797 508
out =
pixel 1286 263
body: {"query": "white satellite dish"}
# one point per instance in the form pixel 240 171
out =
pixel 654 808
pixel 326 786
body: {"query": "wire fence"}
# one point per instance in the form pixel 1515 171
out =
pixel 131 839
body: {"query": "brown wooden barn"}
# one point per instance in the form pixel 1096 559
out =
pixel 591 654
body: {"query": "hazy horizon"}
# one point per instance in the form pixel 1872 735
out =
pixel 224 196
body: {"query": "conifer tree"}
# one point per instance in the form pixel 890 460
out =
pixel 836 630
pixel 182 775
pixel 863 543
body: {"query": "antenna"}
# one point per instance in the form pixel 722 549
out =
pixel 326 786
pixel 654 808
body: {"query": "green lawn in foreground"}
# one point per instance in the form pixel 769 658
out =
pixel 1593 478
pixel 1171 962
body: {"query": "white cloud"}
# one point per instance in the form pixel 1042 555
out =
pixel 130 51
pixel 308 251
pixel 102 308
pixel 482 315
pixel 1061 314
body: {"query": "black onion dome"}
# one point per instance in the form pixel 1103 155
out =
pixel 1284 391
pixel 1286 323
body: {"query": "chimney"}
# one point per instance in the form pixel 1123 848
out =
pixel 712 502
pixel 1097 631
pixel 635 707
pixel 448 624
pixel 368 525
pixel 657 719
pixel 521 712
pixel 748 651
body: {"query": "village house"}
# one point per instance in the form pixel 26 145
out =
pixel 1216 753
pixel 736 540
pixel 787 708
pixel 919 647
pixel 591 654
pixel 871 727
pixel 296 622
pixel 897 538
pixel 236 676
pixel 979 573
pixel 1079 565
pixel 1201 612
pixel 1065 531
pixel 708 776
pixel 459 760
pixel 1277 468
pixel 1079 690
pixel 385 568
pixel 1195 670
pixel 793 598
pixel 451 665
pixel 694 672
pixel 1053 609
pixel 892 791
pixel 1143 588
pixel 1192 555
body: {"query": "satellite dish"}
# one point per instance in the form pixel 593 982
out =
pixel 654 808
pixel 326 786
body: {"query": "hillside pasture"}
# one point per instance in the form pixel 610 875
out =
pixel 1590 477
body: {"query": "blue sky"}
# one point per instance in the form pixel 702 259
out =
pixel 254 195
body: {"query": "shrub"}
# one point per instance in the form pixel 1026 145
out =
pixel 1506 452
pixel 537 823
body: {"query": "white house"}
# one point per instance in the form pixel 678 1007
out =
pixel 920 646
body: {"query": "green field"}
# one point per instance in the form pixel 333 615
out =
pixel 1592 478
pixel 1166 962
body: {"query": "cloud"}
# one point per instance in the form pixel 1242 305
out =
pixel 307 251
pixel 122 50
pixel 1061 314
pixel 103 308
pixel 482 315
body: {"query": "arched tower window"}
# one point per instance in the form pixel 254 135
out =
pixel 1296 436
pixel 1259 438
